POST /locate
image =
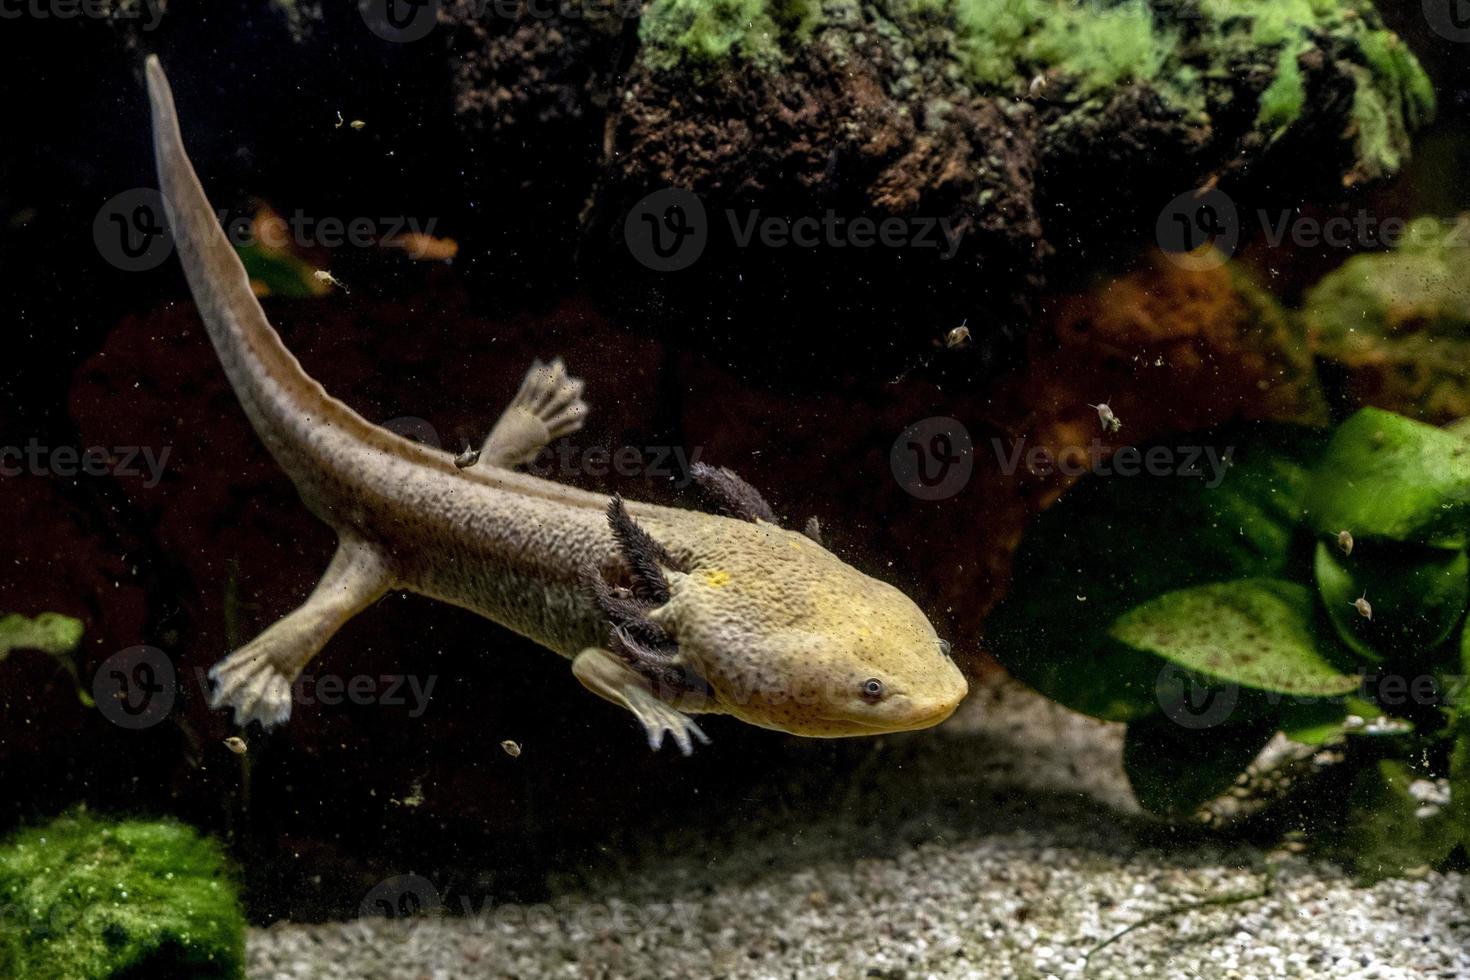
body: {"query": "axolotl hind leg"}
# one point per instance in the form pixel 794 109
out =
pixel 256 680
pixel 548 406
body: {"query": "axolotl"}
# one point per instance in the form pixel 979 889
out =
pixel 665 611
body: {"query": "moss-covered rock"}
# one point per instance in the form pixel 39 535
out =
pixel 84 898
pixel 1392 329
pixel 1050 134
pixel 1200 56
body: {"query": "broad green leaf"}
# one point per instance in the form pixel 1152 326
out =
pixel 1386 476
pixel 1175 769
pixel 1417 596
pixel 1320 721
pixel 49 632
pixel 1388 830
pixel 1099 551
pixel 1315 722
pixel 1254 632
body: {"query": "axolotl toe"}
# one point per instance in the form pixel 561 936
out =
pixel 666 612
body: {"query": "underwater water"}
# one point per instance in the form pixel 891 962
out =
pixel 725 488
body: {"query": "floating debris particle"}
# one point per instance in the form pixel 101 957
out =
pixel 415 797
pixel 322 275
pixel 421 247
pixel 512 748
pixel 959 337
pixel 467 458
pixel 1345 542
pixel 237 745
pixel 1105 416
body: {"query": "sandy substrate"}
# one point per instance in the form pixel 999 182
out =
pixel 1016 852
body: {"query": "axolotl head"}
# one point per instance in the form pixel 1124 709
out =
pixel 789 637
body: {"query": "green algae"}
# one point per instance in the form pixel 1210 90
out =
pixel 84 897
pixel 706 33
pixel 1001 42
pixel 1393 98
pixel 1283 100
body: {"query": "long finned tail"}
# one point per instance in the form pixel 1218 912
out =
pixel 270 383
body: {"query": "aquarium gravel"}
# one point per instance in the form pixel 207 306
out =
pixel 1059 864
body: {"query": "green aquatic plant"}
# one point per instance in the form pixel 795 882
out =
pixel 1320 590
pixel 83 897
pixel 50 633
pixel 1393 326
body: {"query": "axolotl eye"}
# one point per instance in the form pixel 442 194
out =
pixel 872 689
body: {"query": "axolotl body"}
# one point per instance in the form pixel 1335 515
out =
pixel 664 611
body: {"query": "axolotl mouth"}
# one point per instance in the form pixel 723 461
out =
pixel 923 716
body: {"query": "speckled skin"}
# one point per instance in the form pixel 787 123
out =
pixel 783 634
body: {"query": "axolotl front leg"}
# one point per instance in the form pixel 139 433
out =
pixel 642 669
pixel 609 676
